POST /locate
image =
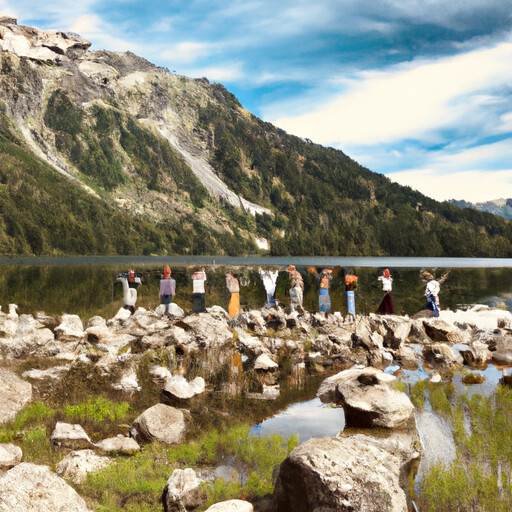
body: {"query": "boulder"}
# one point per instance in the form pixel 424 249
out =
pixel 339 474
pixel 476 354
pixel 441 354
pixel 31 488
pixel 10 456
pixel 71 436
pixel 77 464
pixel 15 393
pixel 70 329
pixel 118 445
pixel 174 310
pixel 502 350
pixel 439 330
pixel 178 387
pixel 182 491
pixel 265 363
pixel 369 398
pixel 231 506
pixel 408 357
pixel 161 423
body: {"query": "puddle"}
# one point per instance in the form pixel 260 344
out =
pixel 305 419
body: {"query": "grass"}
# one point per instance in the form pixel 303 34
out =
pixel 97 410
pixel 478 479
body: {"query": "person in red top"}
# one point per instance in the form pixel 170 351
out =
pixel 167 289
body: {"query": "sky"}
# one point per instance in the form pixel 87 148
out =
pixel 420 91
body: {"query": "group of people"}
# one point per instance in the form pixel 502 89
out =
pixel 131 282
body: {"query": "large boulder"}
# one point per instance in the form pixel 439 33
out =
pixel 339 474
pixel 441 354
pixel 439 330
pixel 31 488
pixel 71 436
pixel 15 393
pixel 178 387
pixel 183 491
pixel 77 464
pixel 70 329
pixel 231 506
pixel 369 398
pixel 10 456
pixel 160 423
pixel 501 347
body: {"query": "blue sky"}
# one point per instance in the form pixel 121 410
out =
pixel 420 91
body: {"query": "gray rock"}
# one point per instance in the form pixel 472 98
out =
pixel 10 456
pixel 71 436
pixel 77 464
pixel 441 354
pixel 178 387
pixel 231 506
pixel 182 491
pixel 368 398
pixel 265 363
pixel 339 474
pixel 15 393
pixel 70 329
pixel 439 330
pixel 161 423
pixel 31 488
pixel 118 445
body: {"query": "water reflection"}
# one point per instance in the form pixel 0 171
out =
pixel 89 289
pixel 305 419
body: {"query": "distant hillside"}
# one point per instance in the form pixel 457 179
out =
pixel 501 207
pixel 105 153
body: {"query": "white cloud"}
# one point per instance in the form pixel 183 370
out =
pixel 189 51
pixel 406 101
pixel 474 186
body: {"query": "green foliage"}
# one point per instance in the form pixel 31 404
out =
pixel 34 413
pixel 471 481
pixel 97 410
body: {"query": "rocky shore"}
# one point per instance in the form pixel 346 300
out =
pixel 365 468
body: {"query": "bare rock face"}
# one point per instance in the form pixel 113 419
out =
pixel 15 393
pixel 231 506
pixel 339 474
pixel 31 488
pixel 77 464
pixel 368 398
pixel 71 436
pixel 161 423
pixel 182 491
pixel 10 456
pixel 439 330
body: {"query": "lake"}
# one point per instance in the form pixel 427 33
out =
pixel 85 285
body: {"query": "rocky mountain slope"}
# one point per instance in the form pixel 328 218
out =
pixel 501 207
pixel 106 153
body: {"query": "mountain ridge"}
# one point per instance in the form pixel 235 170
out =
pixel 192 169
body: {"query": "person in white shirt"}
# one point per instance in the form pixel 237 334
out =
pixel 386 305
pixel 198 291
pixel 432 290
pixel 269 278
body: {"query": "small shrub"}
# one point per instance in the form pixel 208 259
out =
pixel 97 410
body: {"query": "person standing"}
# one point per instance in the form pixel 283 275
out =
pixel 432 290
pixel 386 305
pixel 296 289
pixel 269 278
pixel 234 289
pixel 130 284
pixel 198 291
pixel 167 289
pixel 324 280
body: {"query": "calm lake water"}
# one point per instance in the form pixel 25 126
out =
pixel 85 285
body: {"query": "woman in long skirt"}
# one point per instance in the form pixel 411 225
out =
pixel 386 305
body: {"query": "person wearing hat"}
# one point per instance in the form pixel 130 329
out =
pixel 234 289
pixel 432 290
pixel 130 284
pixel 386 305
pixel 324 280
pixel 297 287
pixel 167 289
pixel 198 291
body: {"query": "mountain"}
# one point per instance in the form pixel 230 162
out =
pixel 105 153
pixel 501 207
